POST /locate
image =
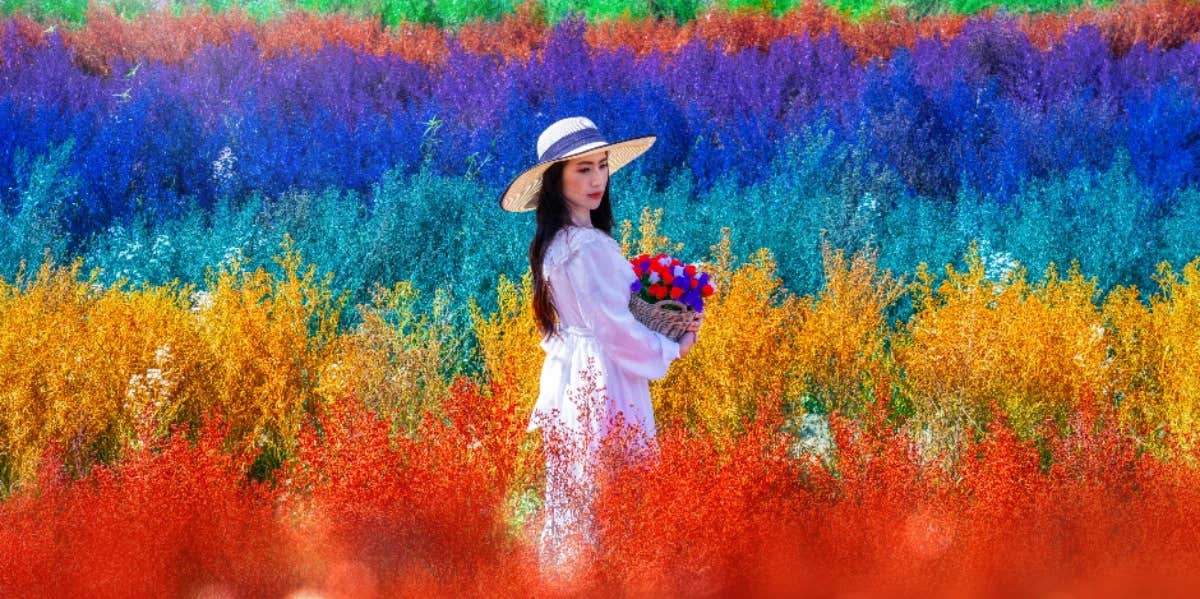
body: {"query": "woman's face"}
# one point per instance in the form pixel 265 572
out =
pixel 584 181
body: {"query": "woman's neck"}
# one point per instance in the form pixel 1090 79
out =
pixel 580 219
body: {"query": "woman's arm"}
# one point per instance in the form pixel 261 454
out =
pixel 601 278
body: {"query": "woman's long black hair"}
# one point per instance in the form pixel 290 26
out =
pixel 552 216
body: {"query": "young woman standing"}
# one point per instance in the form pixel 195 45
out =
pixel 599 359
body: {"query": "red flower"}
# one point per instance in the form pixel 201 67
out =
pixel 706 291
pixel 676 292
pixel 690 270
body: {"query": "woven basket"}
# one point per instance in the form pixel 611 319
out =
pixel 669 317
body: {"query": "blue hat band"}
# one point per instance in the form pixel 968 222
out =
pixel 569 142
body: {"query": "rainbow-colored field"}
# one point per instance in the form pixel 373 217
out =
pixel 264 331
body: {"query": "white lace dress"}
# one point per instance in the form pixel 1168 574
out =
pixel 599 365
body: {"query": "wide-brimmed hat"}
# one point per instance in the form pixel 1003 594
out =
pixel 563 140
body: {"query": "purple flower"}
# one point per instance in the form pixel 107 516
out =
pixel 636 286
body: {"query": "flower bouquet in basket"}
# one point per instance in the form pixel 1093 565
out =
pixel 667 293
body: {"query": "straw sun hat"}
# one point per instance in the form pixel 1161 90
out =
pixel 563 140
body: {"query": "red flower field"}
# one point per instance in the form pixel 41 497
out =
pixel 361 512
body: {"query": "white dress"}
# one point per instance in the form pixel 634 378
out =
pixel 590 287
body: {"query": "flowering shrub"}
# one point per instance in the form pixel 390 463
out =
pixel 172 518
pixel 395 361
pixel 1046 341
pixel 76 374
pixel 424 513
pixel 1152 361
pixel 262 346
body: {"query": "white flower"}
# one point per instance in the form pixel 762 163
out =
pixel 135 384
pixel 867 207
pixel 998 265
pixel 130 250
pixel 654 278
pixel 233 254
pixel 815 437
pixel 162 354
pixel 161 242
pixel 223 166
pixel 677 271
pixel 201 300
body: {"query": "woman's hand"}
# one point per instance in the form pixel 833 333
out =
pixel 691 336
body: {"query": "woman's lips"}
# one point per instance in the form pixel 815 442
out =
pixel 595 196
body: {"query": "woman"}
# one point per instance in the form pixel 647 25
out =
pixel 599 359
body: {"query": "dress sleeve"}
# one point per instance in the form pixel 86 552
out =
pixel 601 278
